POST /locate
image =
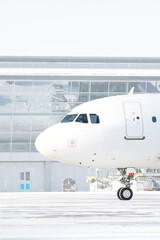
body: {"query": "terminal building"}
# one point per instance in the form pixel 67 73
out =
pixel 37 92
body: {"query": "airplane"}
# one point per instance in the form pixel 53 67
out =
pixel 113 132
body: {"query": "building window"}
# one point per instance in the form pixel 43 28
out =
pixel 27 186
pixel 22 176
pixel 27 176
pixel 22 186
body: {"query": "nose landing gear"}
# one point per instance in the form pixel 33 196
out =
pixel 125 193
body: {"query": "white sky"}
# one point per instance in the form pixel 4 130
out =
pixel 80 28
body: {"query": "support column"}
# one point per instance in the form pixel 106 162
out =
pixel 47 176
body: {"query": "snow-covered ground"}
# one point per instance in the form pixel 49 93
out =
pixel 68 216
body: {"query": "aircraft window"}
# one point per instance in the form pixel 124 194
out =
pixel 82 118
pixel 69 118
pixel 154 119
pixel 94 118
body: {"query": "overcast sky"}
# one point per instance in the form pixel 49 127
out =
pixel 80 28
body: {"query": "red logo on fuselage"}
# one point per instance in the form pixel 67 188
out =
pixel 72 142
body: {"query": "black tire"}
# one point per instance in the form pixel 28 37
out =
pixel 126 193
pixel 118 193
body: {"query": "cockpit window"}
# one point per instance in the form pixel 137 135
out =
pixel 94 118
pixel 82 118
pixel 69 118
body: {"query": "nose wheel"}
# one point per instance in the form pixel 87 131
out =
pixel 125 193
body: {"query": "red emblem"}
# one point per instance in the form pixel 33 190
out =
pixel 72 142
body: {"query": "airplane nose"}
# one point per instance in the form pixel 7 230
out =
pixel 45 144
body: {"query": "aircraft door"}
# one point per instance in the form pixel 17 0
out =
pixel 133 121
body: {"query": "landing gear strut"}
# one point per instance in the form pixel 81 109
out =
pixel 125 193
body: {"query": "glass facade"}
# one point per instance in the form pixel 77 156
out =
pixel 29 104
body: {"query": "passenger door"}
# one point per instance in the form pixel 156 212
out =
pixel 133 121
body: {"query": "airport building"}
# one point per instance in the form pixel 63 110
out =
pixel 37 92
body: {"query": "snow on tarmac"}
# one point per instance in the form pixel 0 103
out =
pixel 80 215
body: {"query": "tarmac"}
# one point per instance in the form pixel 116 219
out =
pixel 79 216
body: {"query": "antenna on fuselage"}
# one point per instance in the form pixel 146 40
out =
pixel 131 91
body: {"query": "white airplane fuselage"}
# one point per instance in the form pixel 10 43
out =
pixel 126 135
